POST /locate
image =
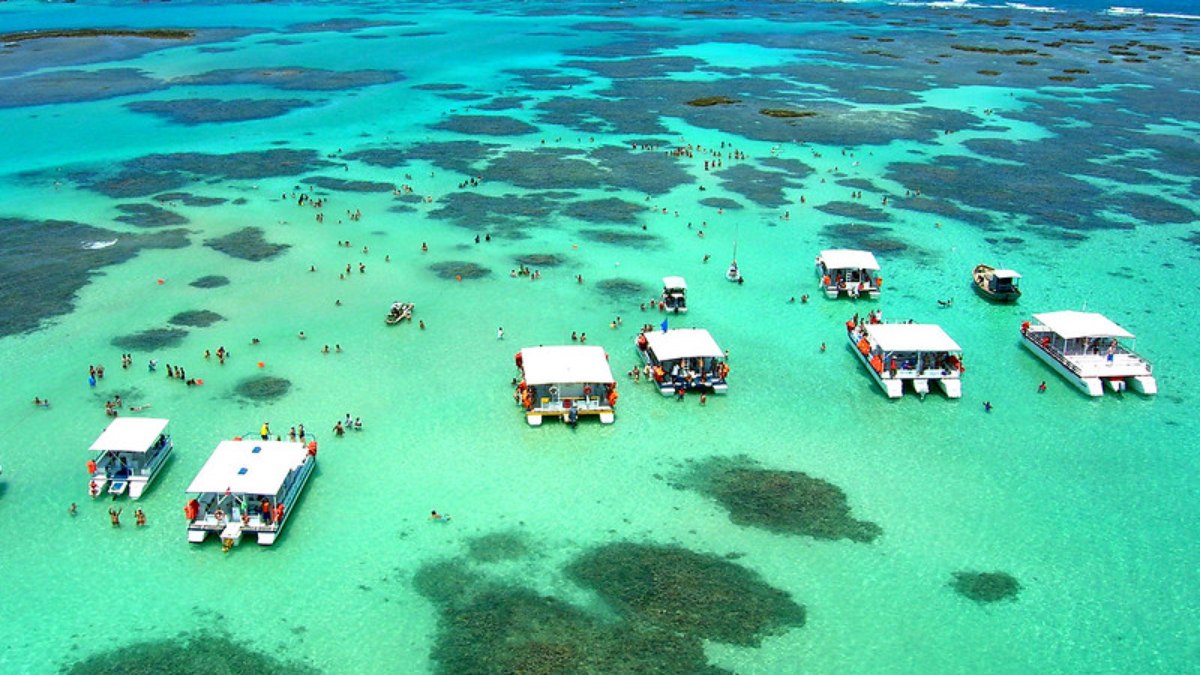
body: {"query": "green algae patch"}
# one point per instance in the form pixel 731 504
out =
pixel 197 318
pixel 989 73
pixel 711 101
pixel 247 243
pixel 206 653
pixel 459 270
pixel 210 281
pixel 151 33
pixel 985 587
pixel 498 547
pixel 516 630
pixel 786 114
pixel 1062 78
pixel 1015 51
pixel 263 388
pixel 540 260
pixel 622 288
pixel 680 591
pixel 150 340
pixel 788 502
pixel 486 626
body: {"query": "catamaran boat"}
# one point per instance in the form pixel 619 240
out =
pixel 895 353
pixel 847 271
pixel 400 311
pixel 129 454
pixel 1086 349
pixel 248 487
pixel 565 381
pixel 686 359
pixel 999 285
pixel 674 295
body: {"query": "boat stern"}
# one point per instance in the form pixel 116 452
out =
pixel 952 387
pixel 1144 384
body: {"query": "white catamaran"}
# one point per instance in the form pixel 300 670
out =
pixel 130 453
pixel 248 487
pixel 1086 348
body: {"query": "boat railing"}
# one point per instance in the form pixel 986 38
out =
pixel 1035 337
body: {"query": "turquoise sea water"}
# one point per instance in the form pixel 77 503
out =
pixel 568 112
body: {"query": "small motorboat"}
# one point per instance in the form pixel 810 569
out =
pixel 998 285
pixel 400 311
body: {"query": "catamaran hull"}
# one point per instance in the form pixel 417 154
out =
pixel 1092 386
pixel 267 537
pixel 892 387
pixel 138 484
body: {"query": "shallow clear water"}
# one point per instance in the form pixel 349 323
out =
pixel 1086 502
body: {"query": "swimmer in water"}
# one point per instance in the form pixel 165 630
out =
pixel 444 517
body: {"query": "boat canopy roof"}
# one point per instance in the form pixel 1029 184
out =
pixel 1006 274
pixel 911 337
pixel 249 467
pixel 565 364
pixel 130 434
pixel 847 259
pixel 674 282
pixel 1071 325
pixel 683 343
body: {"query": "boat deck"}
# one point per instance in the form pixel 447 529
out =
pixel 1124 363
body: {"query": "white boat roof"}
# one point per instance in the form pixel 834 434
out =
pixel 680 343
pixel 130 434
pixel 674 282
pixel 1071 325
pixel 1006 274
pixel 235 466
pixel 565 364
pixel 848 259
pixel 911 337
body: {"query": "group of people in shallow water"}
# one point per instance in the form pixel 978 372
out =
pixel 340 427
pixel 114 515
pixel 523 271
